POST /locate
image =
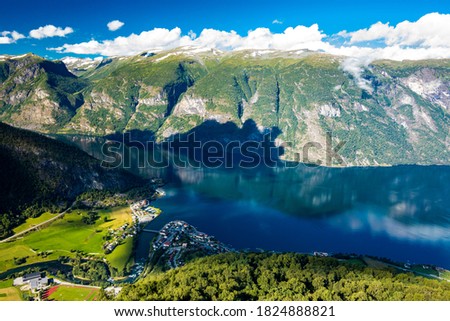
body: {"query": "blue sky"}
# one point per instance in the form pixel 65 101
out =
pixel 88 19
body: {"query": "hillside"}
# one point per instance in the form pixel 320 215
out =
pixel 38 94
pixel 293 277
pixel 39 172
pixel 394 113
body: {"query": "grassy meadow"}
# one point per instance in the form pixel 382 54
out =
pixel 73 293
pixel 33 221
pixel 8 292
pixel 120 257
pixel 65 236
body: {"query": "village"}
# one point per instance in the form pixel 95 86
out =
pixel 142 213
pixel 178 240
pixel 117 236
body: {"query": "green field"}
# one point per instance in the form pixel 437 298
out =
pixel 8 292
pixel 121 255
pixel 74 293
pixel 6 284
pixel 30 222
pixel 63 237
pixel 445 274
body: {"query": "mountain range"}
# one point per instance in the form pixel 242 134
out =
pixel 384 113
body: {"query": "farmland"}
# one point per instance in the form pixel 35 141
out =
pixel 65 237
pixel 8 292
pixel 120 257
pixel 30 222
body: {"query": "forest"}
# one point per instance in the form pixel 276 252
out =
pixel 266 276
pixel 40 174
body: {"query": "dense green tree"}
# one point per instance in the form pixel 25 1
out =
pixel 240 276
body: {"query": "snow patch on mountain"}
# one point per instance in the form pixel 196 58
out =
pixel 76 64
pixel 330 111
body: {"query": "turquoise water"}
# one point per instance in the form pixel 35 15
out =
pixel 400 212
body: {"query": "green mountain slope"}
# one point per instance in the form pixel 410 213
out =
pixel 38 94
pixel 134 93
pixel 38 171
pixel 247 276
pixel 395 113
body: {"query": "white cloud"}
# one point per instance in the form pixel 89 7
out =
pixel 277 22
pixel 300 37
pixel 359 58
pixel 223 40
pixel 376 31
pixel 115 25
pixel 156 39
pixel 8 37
pixel 49 31
pixel 427 38
pixel 431 30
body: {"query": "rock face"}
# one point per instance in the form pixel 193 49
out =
pixel 329 111
pixel 189 105
pixel 37 94
pixel 400 116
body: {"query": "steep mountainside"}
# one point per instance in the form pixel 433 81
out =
pixel 394 113
pixel 38 94
pixel 37 170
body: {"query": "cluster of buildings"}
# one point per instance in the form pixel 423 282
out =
pixel 115 237
pixel 177 239
pixel 143 212
pixel 33 281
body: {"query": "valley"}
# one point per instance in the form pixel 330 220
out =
pixel 381 214
pixel 79 248
pixel 68 236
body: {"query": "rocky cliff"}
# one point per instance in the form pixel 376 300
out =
pixel 386 113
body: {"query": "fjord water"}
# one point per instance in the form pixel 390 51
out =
pixel 399 212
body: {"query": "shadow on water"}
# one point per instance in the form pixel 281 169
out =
pixel 401 212
pixel 244 146
pixel 409 193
